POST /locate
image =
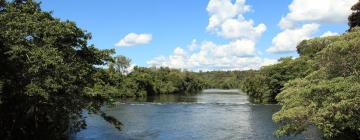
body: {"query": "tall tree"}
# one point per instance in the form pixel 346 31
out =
pixel 46 65
pixel 121 64
pixel 354 18
pixel 327 98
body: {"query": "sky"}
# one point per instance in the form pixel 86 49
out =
pixel 204 34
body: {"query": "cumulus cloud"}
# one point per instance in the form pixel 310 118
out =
pixel 287 40
pixel 133 39
pixel 237 55
pixel 227 20
pixel 304 19
pixel 235 28
pixel 221 10
pixel 193 46
pixel 329 33
pixel 317 11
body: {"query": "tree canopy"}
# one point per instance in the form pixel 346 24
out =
pixel 328 97
pixel 319 88
pixel 46 65
pixel 354 18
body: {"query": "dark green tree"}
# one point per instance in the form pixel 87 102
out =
pixel 254 85
pixel 328 97
pixel 46 67
pixel 354 18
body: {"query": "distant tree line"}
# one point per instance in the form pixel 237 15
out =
pixel 222 79
pixel 141 82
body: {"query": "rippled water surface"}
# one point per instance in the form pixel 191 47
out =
pixel 210 115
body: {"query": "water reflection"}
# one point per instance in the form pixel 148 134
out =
pixel 210 115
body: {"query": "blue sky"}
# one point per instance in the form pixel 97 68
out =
pixel 174 24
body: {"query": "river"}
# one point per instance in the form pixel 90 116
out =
pixel 210 115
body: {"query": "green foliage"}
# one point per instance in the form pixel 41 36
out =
pixel 320 88
pixel 328 98
pixel 141 82
pixel 310 47
pixel 354 18
pixel 263 85
pixel 331 105
pixel 221 79
pixel 49 75
pixel 254 84
pixel 347 53
pixel 154 81
pixel 46 70
pixel 120 64
pixel 277 75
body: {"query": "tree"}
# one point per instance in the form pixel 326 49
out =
pixel 46 67
pixel 333 106
pixel 264 85
pixel 254 85
pixel 121 64
pixel 327 98
pixel 354 18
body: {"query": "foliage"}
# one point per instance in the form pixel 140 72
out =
pixel 49 75
pixel 320 88
pixel 331 105
pixel 141 82
pixel 263 85
pixel 354 18
pixel 310 47
pixel 222 79
pixel 153 81
pixel 254 84
pixel 328 98
pixel 120 64
pixel 46 68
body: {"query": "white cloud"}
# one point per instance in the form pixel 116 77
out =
pixel 221 10
pixel 133 39
pixel 287 40
pixel 329 33
pixel 286 23
pixel 227 20
pixel 317 11
pixel 235 28
pixel 193 46
pixel 237 55
pixel 304 19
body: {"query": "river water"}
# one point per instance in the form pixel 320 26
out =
pixel 210 115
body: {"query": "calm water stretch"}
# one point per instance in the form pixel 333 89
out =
pixel 210 115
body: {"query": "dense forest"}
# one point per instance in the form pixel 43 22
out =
pixel 50 74
pixel 319 88
pixel 47 66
